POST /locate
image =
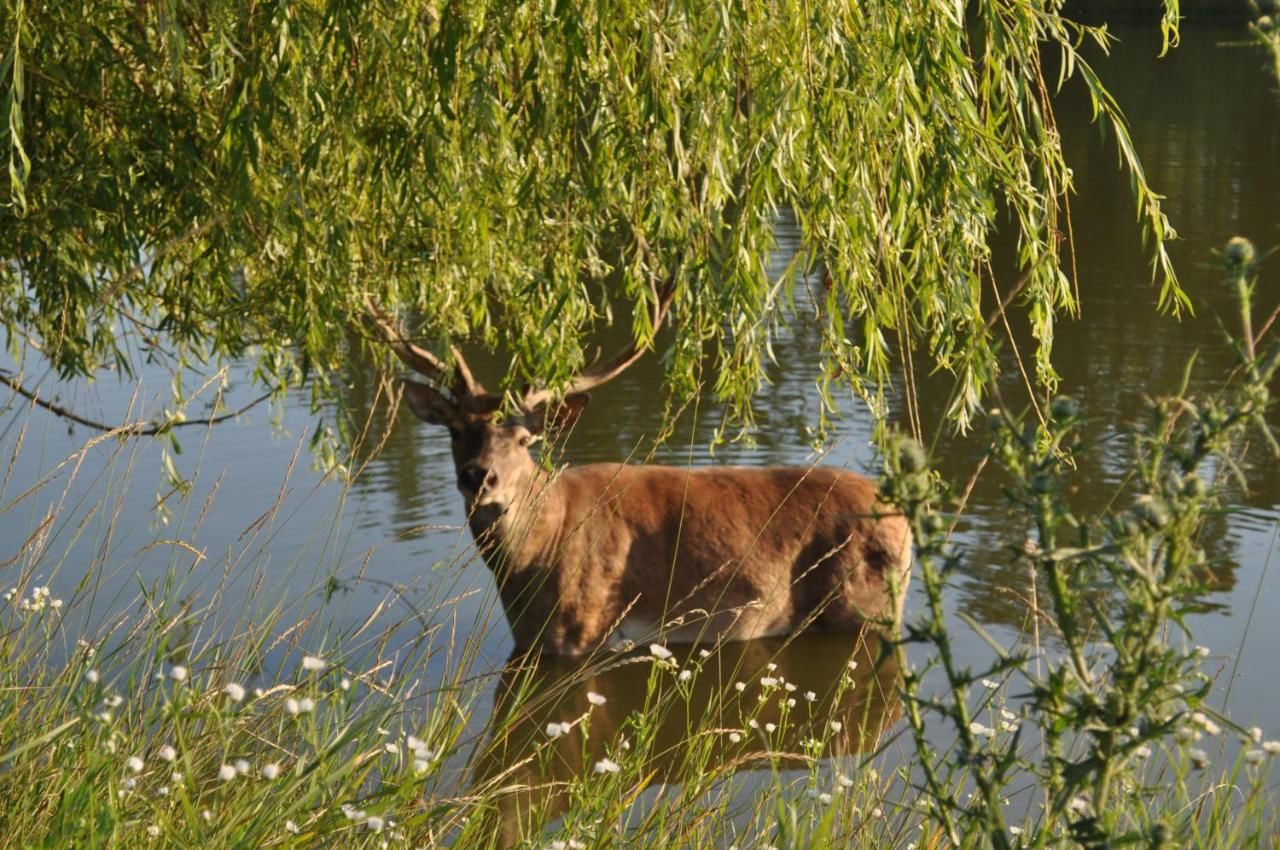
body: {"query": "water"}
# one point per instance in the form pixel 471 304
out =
pixel 1206 122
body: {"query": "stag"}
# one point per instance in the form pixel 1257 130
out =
pixel 610 551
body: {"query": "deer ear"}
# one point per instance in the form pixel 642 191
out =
pixel 561 417
pixel 428 404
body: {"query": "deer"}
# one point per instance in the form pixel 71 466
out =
pixel 592 555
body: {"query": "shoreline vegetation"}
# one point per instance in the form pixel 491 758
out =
pixel 176 723
pixel 533 175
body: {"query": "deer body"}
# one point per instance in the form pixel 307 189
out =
pixel 653 552
pixel 611 550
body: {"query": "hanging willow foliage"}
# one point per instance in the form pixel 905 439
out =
pixel 235 177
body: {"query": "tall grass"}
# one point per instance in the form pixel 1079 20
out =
pixel 173 718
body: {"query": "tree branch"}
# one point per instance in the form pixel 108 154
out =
pixel 134 429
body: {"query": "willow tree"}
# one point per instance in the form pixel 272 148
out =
pixel 229 179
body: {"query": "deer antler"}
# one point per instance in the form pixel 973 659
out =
pixel 465 386
pixel 600 373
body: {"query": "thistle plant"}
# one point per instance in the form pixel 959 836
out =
pixel 1117 676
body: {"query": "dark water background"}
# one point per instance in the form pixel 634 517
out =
pixel 1206 122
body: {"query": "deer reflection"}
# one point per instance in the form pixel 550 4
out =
pixel 746 702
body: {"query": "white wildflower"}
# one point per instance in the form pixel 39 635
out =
pixel 1199 758
pixel 91 676
pixel 735 737
pixel 768 681
pixel 1271 748
pixel 1206 723
pixel 420 765
pixel 739 686
pixel 114 701
pixel 313 664
pixel 374 823
pixel 153 831
pixel 836 726
pixel 660 652
pixel 206 816
pixel 234 691
pixel 595 698
pixel 178 673
pixel 291 827
pixel 1015 831
pixel 167 753
pixel 607 766
pixel 1254 756
pixel 1079 805
pixel 844 781
pixel 981 731
pixel 162 791
pixel 1142 752
pixel 134 764
pixel 226 773
pixel 270 771
pixel 810 696
pixel 685 675
pixel 770 727
pixel 345 683
pixel 990 684
pixel 824 798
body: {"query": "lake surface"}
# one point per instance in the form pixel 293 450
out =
pixel 1206 121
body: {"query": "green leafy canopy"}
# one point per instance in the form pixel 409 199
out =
pixel 233 178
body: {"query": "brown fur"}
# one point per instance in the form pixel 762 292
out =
pixel 609 550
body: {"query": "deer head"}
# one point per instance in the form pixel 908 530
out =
pixel 490 451
pixel 490 455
